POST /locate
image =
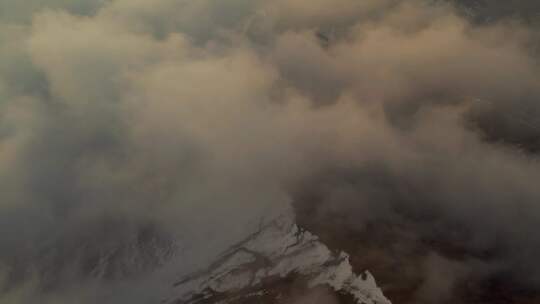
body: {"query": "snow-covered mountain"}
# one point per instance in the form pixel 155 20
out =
pixel 277 260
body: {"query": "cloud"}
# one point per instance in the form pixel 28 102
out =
pixel 179 123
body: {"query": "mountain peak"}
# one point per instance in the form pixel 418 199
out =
pixel 275 264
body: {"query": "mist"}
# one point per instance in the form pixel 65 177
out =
pixel 180 123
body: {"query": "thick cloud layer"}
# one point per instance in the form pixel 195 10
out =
pixel 178 123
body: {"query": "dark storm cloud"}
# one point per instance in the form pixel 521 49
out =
pixel 126 123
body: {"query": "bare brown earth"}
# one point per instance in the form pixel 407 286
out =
pixel 393 253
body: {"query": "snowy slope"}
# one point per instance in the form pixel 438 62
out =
pixel 275 251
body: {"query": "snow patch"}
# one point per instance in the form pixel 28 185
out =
pixel 278 248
